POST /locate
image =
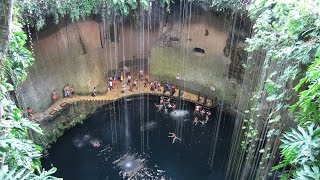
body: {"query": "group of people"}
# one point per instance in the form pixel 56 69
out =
pixel 201 115
pixel 67 91
pixel 120 78
pixel 165 104
pixel 133 83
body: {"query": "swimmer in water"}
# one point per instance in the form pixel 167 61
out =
pixel 174 137
pixel 96 144
pixel 207 119
pixel 196 120
pixel 159 107
pixel 207 116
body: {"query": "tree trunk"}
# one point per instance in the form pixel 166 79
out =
pixel 5 22
pixel 6 7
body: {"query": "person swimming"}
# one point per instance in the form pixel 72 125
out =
pixel 196 120
pixel 158 106
pixel 174 137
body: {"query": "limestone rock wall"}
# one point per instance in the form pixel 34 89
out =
pixel 194 49
pixel 84 54
pixel 80 54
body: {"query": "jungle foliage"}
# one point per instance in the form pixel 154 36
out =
pixel 38 11
pixel 20 156
pixel 289 34
pixel 286 30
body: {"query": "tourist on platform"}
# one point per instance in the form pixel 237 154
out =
pixel 130 87
pixel 110 84
pixel 29 112
pixel 67 91
pixel 141 74
pixel 72 90
pixel 166 88
pixel 129 80
pixel 159 86
pixel 146 80
pixel 173 90
pixel 54 96
pixel 64 92
pixel 123 88
pixel 94 92
pixel 121 77
pixel 155 84
pixel 152 86
pixel 135 84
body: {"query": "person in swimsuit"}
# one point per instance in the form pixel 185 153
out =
pixel 174 137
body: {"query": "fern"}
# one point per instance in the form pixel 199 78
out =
pixel 23 173
pixel 301 146
pixel 307 173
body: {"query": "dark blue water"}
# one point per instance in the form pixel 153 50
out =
pixel 144 138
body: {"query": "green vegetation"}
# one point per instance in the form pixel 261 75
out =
pixel 20 156
pixel 288 33
pixel 38 11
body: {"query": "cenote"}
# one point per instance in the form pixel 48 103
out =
pixel 128 139
pixel 81 83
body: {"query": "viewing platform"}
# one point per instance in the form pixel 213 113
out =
pixel 116 94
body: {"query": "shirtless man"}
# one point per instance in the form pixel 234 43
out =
pixel 174 137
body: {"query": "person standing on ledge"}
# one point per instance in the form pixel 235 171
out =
pixel 29 112
pixel 123 88
pixel 173 90
pixel 54 96
pixel 72 91
pixel 94 92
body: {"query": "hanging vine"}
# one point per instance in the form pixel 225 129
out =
pixel 76 9
pixel 288 32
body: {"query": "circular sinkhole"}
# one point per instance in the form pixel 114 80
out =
pixel 128 139
pixel 199 51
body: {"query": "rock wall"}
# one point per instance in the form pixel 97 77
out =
pixel 81 54
pixel 194 50
pixel 84 54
